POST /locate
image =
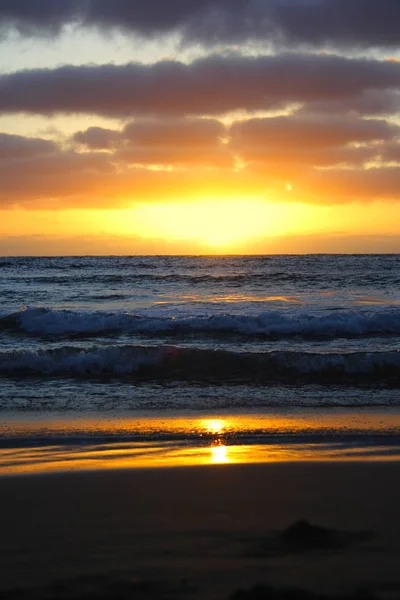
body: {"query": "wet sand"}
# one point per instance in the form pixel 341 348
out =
pixel 206 530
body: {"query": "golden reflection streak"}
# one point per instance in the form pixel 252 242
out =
pixel 136 457
pixel 214 429
pixel 219 455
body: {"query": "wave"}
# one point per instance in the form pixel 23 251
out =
pixel 190 364
pixel 131 277
pixel 270 324
pixel 77 263
pixel 142 273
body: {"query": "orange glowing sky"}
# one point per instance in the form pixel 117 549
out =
pixel 153 128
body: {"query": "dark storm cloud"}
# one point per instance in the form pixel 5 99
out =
pixel 311 22
pixel 213 85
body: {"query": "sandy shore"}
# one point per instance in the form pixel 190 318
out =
pixel 207 529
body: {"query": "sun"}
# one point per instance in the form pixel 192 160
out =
pixel 209 225
pixel 215 426
pixel 219 223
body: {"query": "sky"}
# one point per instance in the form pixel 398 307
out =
pixel 199 126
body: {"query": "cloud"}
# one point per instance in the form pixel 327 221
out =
pixel 97 138
pixel 148 18
pixel 293 142
pixel 45 16
pixel 213 85
pixel 29 178
pixel 368 103
pixel 183 142
pixel 312 132
pixel 187 132
pixel 58 178
pixel 350 23
pixel 288 144
pixel 189 158
pixel 17 146
pixel 341 185
pixel 391 152
pixel 176 156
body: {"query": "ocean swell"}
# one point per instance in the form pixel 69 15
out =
pixel 191 364
pixel 269 323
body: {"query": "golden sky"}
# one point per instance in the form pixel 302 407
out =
pixel 212 126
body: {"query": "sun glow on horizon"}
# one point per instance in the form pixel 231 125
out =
pixel 214 225
pixel 219 223
pixel 215 426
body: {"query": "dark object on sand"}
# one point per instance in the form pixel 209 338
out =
pixel 304 537
pixel 302 533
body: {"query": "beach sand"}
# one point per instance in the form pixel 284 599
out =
pixel 205 531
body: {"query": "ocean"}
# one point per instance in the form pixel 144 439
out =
pixel 142 361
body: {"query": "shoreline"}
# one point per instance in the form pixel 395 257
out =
pixel 110 457
pixel 68 441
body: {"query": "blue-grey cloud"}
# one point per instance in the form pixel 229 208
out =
pixel 97 138
pixel 385 103
pixel 17 146
pixel 312 22
pixel 212 85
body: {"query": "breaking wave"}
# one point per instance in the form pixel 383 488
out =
pixel 191 364
pixel 274 324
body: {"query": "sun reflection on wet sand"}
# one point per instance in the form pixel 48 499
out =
pixel 219 455
pixel 48 445
pixel 144 456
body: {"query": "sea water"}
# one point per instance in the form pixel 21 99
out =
pixel 132 361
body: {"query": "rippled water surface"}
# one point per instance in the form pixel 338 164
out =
pixel 115 336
